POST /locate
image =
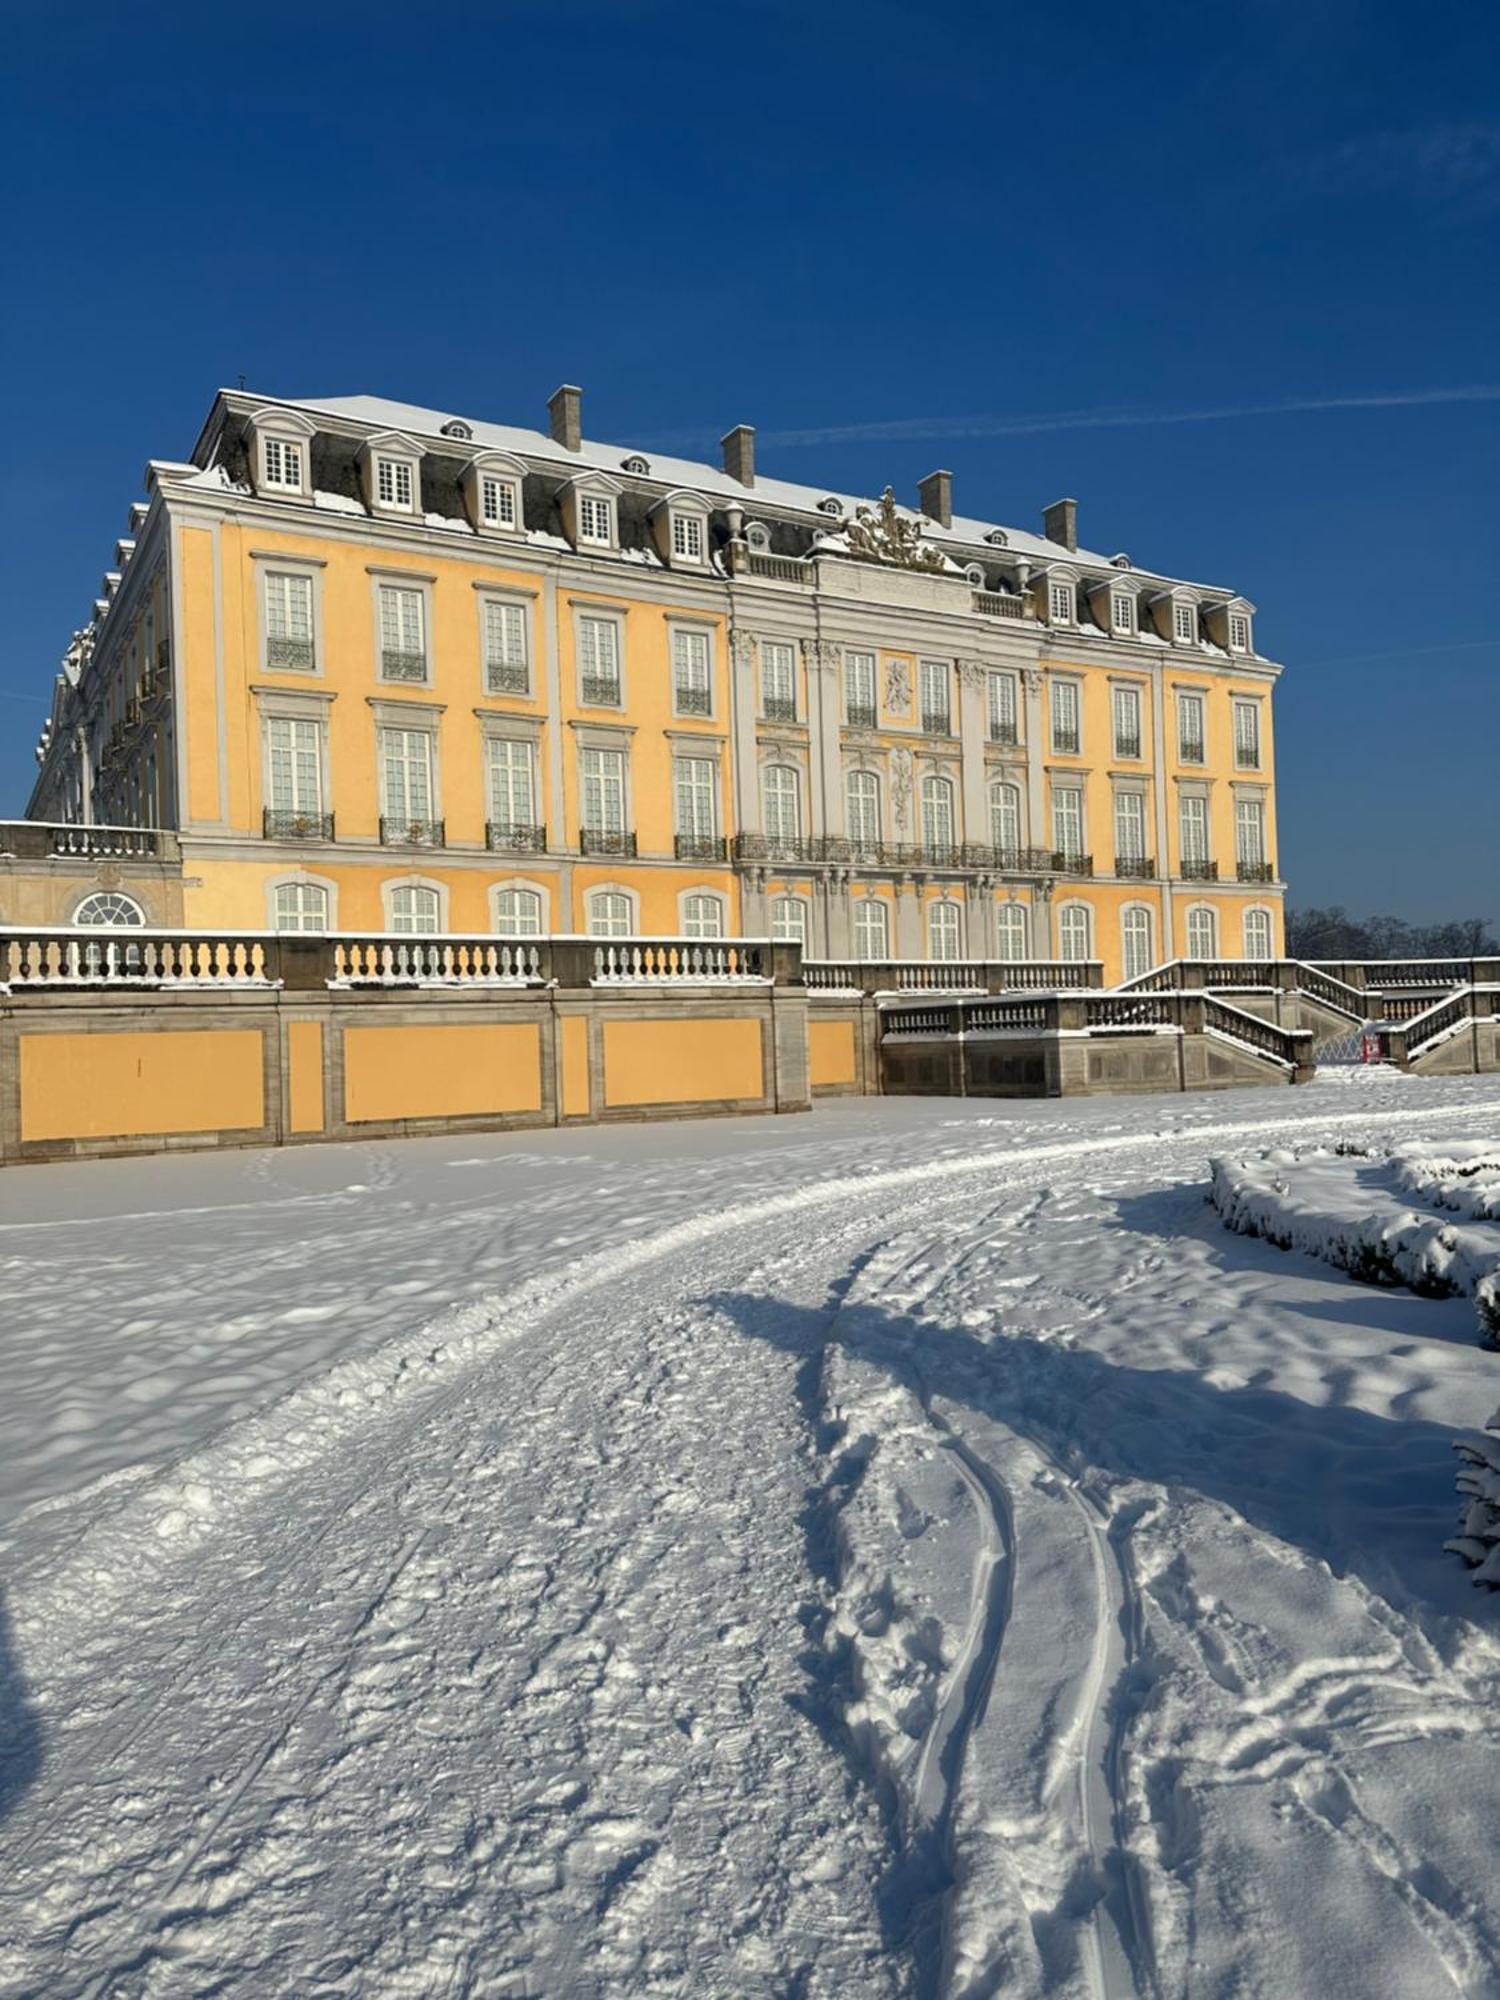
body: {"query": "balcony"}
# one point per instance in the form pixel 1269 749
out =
pixel 1199 871
pixel 937 721
pixel 1066 863
pixel 509 836
pixel 778 708
pixel 1190 750
pixel 1066 743
pixel 774 847
pixel 277 824
pixel 1128 746
pixel 699 847
pixel 37 840
pixel 1134 868
pixel 291 656
pixel 777 569
pixel 1005 734
pixel 1255 871
pixel 400 666
pixel 693 701
pixel 412 832
pixel 605 840
pixel 601 691
pixel 507 677
pixel 999 604
pixel 860 715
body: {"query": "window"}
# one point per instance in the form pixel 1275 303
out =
pixel 518 913
pixel 506 667
pixel 609 914
pixel 1190 737
pixel 937 816
pixel 1074 933
pixel 498 505
pixel 758 538
pixel 789 920
pixel 1122 613
pixel 935 681
pixel 696 785
pixel 859 690
pixel 1239 632
pixel 109 908
pixel 1184 622
pixel 945 936
pixel 512 788
pixel 301 906
pixel 1136 952
pixel 692 689
pixel 1003 708
pixel 599 661
pixel 1060 603
pixel 1067 822
pixel 603 773
pixel 1066 740
pixel 778 682
pixel 783 802
pixel 294 756
pixel 1005 820
pixel 1010 932
pixel 406 776
pixel 1202 932
pixel 283 463
pixel 702 917
pixel 1126 705
pixel 872 930
pixel 687 540
pixel 289 622
pixel 596 519
pixel 415 907
pixel 1249 833
pixel 1130 827
pixel 403 638
pixel 393 482
pixel 862 808
pixel 1193 815
pixel 1259 933
pixel 1247 734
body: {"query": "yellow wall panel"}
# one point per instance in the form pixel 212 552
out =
pixel 682 1062
pixel 304 1043
pixel 830 1049
pixel 441 1072
pixel 120 1086
pixel 576 1099
pixel 200 674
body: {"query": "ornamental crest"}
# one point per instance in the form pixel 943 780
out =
pixel 901 777
pixel 884 537
pixel 897 686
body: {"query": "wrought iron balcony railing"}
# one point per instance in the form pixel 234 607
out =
pixel 1005 733
pixel 1190 750
pixel 937 721
pixel 605 840
pixel 699 846
pixel 507 677
pixel 860 714
pixel 411 832
pixel 778 708
pixel 1065 742
pixel 1134 867
pixel 1127 746
pixel 281 825
pixel 694 701
pixel 775 847
pixel 1066 863
pixel 507 836
pixel 290 656
pixel 601 691
pixel 400 666
pixel 1255 871
pixel 1199 871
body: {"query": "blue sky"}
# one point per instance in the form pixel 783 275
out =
pixel 1225 273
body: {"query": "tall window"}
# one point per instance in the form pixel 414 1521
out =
pixel 862 808
pixel 1202 932
pixel 695 782
pixel 415 907
pixel 596 519
pixel 859 689
pixel 1247 734
pixel 783 805
pixel 599 661
pixel 1060 603
pixel 393 485
pixel 406 775
pixel 789 920
pixel 1122 613
pixel 497 503
pixel 945 937
pixel 609 914
pixel 1250 833
pixel 1003 708
pixel 1194 832
pixel 512 776
pixel 872 930
pixel 1130 826
pixel 301 906
pixel 1010 932
pixel 1067 821
pixel 603 773
pixel 1239 632
pixel 692 689
pixel 506 669
pixel 1066 738
pixel 1184 623
pixel 295 754
pixel 289 622
pixel 1074 933
pixel 936 682
pixel 403 635
pixel 1005 818
pixel 1260 936
pixel 518 913
pixel 1190 737
pixel 283 462
pixel 937 814
pixel 687 537
pixel 1136 951
pixel 1126 705
pixel 778 681
pixel 702 917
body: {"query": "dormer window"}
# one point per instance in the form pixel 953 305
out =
pixel 280 441
pixel 596 519
pixel 393 482
pixel 687 537
pixel 998 539
pixel 758 538
pixel 1061 607
pixel 497 502
pixel 1184 622
pixel 590 507
pixel 283 464
pixel 1122 614
pixel 637 465
pixel 393 474
pixel 457 428
pixel 975 574
pixel 1239 632
pixel 830 506
pixel 492 492
pixel 679 527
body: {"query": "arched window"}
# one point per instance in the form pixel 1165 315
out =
pixel 610 914
pixel 1010 931
pixel 1074 932
pixel 301 906
pixel 108 907
pixel 518 913
pixel 945 933
pixel 1260 934
pixel 789 920
pixel 862 800
pixel 872 930
pixel 1136 952
pixel 414 907
pixel 783 802
pixel 1202 932
pixel 702 916
pixel 1005 821
pixel 937 814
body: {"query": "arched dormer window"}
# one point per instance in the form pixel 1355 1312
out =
pixel 590 512
pixel 280 454
pixel 492 493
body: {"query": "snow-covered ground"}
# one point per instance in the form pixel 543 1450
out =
pixel 908 1549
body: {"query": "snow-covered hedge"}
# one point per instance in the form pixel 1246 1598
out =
pixel 1479 1486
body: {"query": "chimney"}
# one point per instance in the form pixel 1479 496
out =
pixel 739 453
pixel 1060 523
pixel 935 494
pixel 565 408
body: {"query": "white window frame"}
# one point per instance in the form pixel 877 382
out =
pixel 288 432
pixel 793 792
pixel 597 520
pixel 410 732
pixel 949 947
pixel 695 796
pixel 1003 708
pixel 937 809
pixel 383 455
pixel 935 693
pixel 1074 812
pixel 282 461
pixel 506 927
pixel 623 902
pixel 1240 632
pixel 1195 917
pixel 1136 959
pixel 514 659
pixel 1005 926
pixel 689 534
pixel 1073 918
pixel 588 616
pixel 1063 693
pixel 1125 721
pixel 316 730
pixel 1130 825
pixel 862 906
pixel 1006 802
pixel 784 928
pixel 392 585
pixel 272 570
pixel 1247 740
pixel 857 664
pixel 499 501
pixel 690 919
pixel 607 767
pixel 514 756
pixel 1122 614
pixel 1192 811
pixel 1184 622
pixel 1189 700
pixel 778 675
pixel 300 886
pixel 1250 819
pixel 1062 602
pixel 395 485
pixel 692 674
pixel 1258 912
pixel 864 822
pixel 395 892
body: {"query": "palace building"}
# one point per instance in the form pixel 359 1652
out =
pixel 381 668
